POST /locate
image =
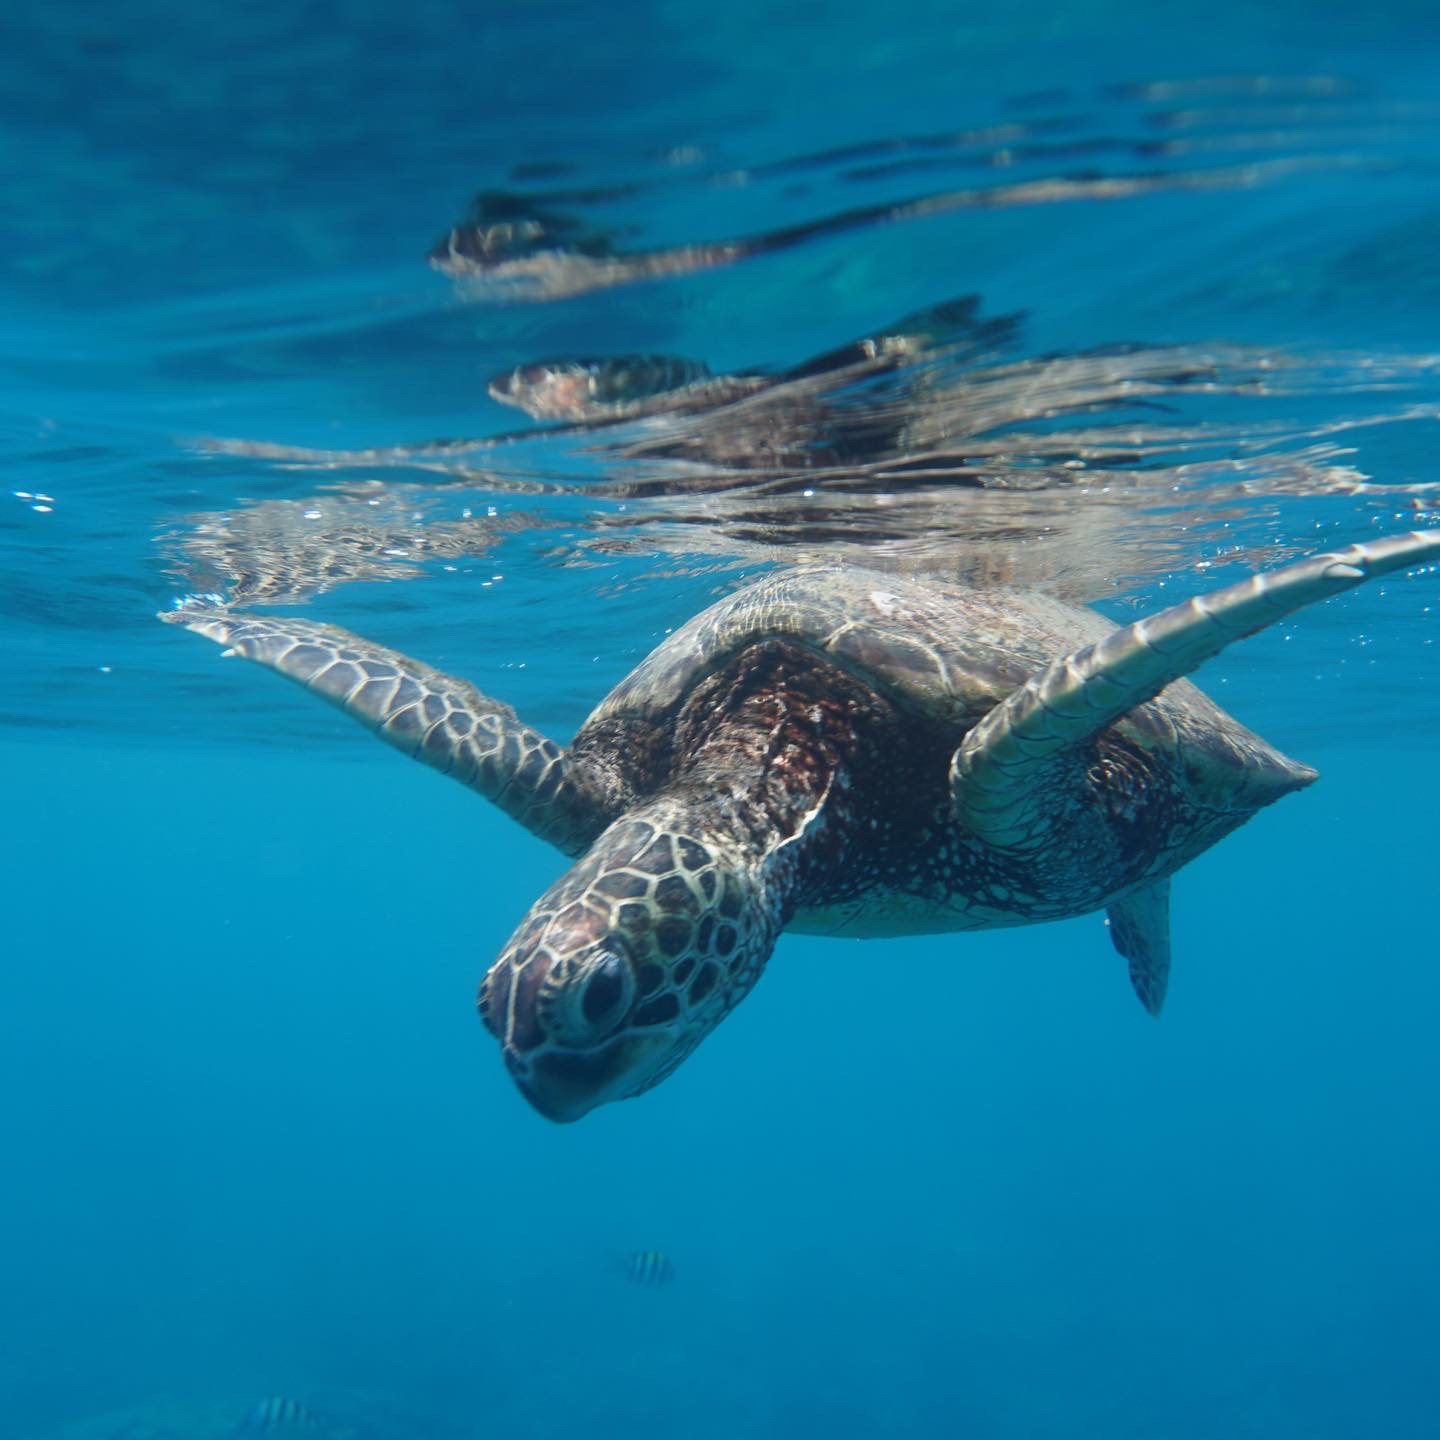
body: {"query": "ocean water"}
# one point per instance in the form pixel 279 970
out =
pixel 256 1142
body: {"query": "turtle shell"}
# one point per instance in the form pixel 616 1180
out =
pixel 949 653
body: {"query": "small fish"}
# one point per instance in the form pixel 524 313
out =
pixel 648 1268
pixel 277 1413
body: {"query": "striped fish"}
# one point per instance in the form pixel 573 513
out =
pixel 277 1413
pixel 648 1268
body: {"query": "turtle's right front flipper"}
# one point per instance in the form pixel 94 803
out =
pixel 445 722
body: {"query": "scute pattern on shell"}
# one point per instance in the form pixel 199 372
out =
pixel 944 651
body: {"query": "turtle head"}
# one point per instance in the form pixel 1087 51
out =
pixel 624 965
pixel 548 389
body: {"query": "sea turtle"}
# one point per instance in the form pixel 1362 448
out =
pixel 850 406
pixel 830 750
pixel 509 251
pixel 739 421
pixel 607 389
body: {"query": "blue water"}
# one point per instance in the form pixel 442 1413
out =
pixel 257 1143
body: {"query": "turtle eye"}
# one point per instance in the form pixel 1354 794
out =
pixel 607 992
pixel 604 990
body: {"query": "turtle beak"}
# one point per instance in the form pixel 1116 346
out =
pixel 565 1085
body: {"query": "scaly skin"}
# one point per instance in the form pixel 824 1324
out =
pixel 625 964
pixel 446 723
pixel 1000 774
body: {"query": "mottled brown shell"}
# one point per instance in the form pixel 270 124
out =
pixel 940 650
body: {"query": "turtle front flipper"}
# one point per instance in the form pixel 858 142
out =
pixel 1000 775
pixel 445 722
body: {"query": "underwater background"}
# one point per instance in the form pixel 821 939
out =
pixel 257 1144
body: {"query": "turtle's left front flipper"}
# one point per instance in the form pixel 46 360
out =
pixel 1007 776
pixel 997 774
pixel 433 717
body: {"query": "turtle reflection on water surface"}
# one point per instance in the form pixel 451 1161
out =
pixel 832 751
pixel 825 411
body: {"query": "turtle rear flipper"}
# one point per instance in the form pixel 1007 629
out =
pixel 445 722
pixel 1140 930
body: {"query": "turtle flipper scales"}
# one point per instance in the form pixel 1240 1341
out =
pixel 432 717
pixel 999 776
pixel 1140 930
